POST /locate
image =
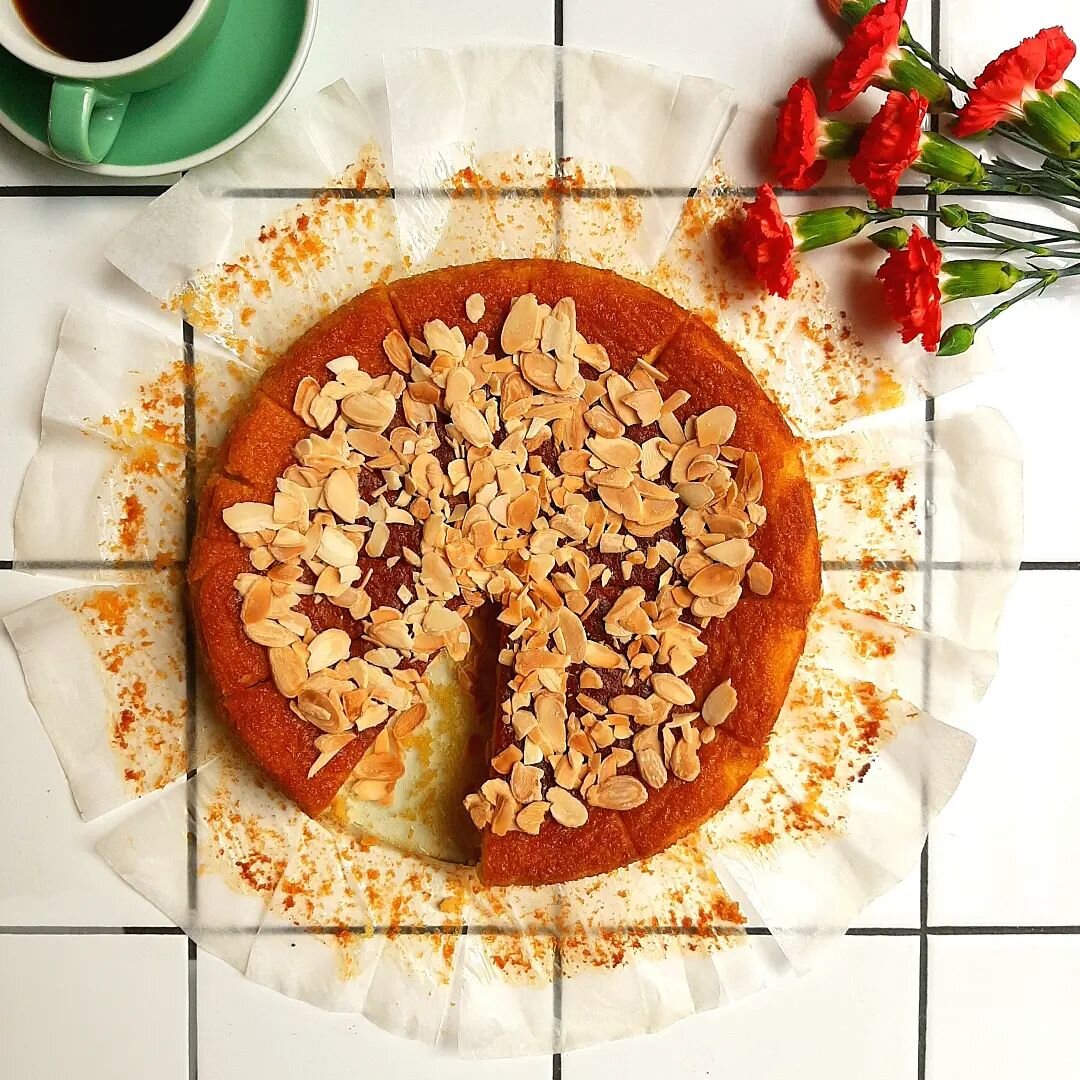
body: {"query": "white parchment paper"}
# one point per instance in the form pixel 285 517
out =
pixel 519 152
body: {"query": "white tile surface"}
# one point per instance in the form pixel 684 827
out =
pixel 1003 852
pixel 50 874
pixel 1002 1007
pixel 100 1006
pixel 60 243
pixel 759 49
pixel 997 1006
pixel 1036 388
pixel 246 1030
pixel 853 1016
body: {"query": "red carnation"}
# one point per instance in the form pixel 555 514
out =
pixel 795 157
pixel 867 54
pixel 890 145
pixel 1037 63
pixel 766 243
pixel 912 289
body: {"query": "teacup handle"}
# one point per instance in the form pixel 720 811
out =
pixel 84 120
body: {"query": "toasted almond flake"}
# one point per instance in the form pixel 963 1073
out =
pixel 342 496
pixel 444 339
pixel 397 351
pixel 715 426
pixel 695 495
pixel 503 762
pixel 249 517
pixel 336 549
pixel 599 655
pixel 684 760
pixel 471 424
pixel 289 670
pixel 760 579
pixel 618 452
pixel 566 809
pixel 618 793
pixel 519 331
pixel 319 708
pixel 711 581
pixel 651 766
pixel 372 790
pixel 371 411
pixel 257 600
pixel 327 649
pixel 479 809
pixel 407 721
pixel 735 552
pixel 474 307
pixel 375 766
pixel 531 818
pixel 269 633
pixel 720 704
pixel 672 688
pixel 329 746
pixel 525 781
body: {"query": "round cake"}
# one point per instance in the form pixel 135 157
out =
pixel 557 450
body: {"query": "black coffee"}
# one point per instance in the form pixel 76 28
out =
pixel 98 30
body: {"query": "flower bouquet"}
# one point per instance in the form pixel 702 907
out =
pixel 1022 97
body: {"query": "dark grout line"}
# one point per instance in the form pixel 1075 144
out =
pixel 191 687
pixel 76 191
pixel 924 858
pixel 193 1010
pixel 559 120
pixel 930 931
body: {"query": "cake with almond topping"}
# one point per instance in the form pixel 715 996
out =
pixel 550 446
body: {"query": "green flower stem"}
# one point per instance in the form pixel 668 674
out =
pixel 927 58
pixel 980 219
pixel 1004 247
pixel 1044 282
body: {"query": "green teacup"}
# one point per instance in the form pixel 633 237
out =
pixel 89 100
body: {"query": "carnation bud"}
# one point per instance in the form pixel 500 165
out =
pixel 1069 98
pixel 852 11
pixel 908 72
pixel 894 238
pixel 1052 125
pixel 947 160
pixel 955 216
pixel 977 277
pixel 820 228
pixel 957 339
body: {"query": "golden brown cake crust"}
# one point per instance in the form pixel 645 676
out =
pixel 756 646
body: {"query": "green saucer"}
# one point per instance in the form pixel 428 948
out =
pixel 244 76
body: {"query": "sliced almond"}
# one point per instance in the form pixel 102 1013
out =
pixel 471 424
pixel 760 579
pixel 531 817
pixel 672 688
pixel 651 766
pixel 329 746
pixel 257 600
pixel 519 331
pixel 474 307
pixel 289 671
pixel 566 809
pixel 269 633
pixel 249 517
pixel 327 649
pixel 720 704
pixel 385 767
pixel 716 426
pixel 619 793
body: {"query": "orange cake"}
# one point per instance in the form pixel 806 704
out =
pixel 557 447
